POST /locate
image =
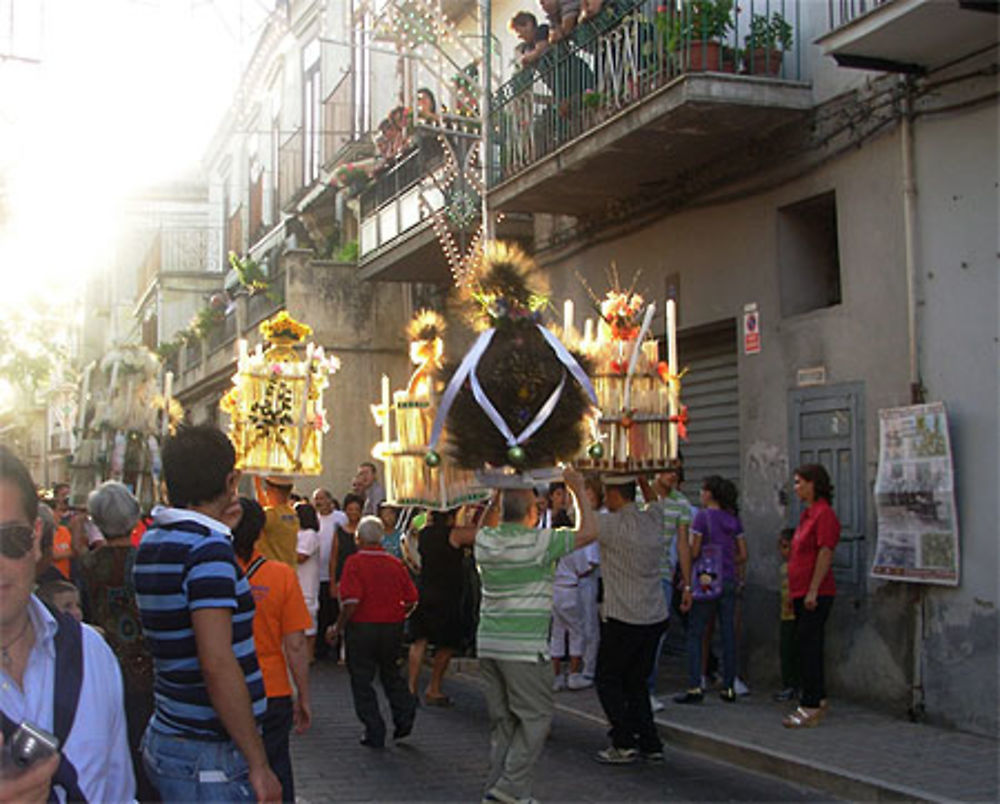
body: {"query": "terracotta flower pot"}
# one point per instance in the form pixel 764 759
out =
pixel 763 61
pixel 709 56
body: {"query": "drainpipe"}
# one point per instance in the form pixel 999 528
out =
pixel 486 12
pixel 916 386
pixel 909 238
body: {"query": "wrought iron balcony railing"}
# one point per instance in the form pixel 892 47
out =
pixel 631 49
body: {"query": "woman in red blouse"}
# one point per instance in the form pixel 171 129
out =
pixel 811 587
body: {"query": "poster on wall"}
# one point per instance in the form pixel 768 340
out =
pixel 915 497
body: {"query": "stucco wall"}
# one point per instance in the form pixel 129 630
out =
pixel 726 256
pixel 363 324
pixel 958 298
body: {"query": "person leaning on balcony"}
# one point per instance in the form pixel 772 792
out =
pixel 534 37
pixel 562 16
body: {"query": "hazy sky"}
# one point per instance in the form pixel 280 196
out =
pixel 124 93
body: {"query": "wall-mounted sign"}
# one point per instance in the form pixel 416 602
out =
pixel 751 329
pixel 915 497
pixel 810 376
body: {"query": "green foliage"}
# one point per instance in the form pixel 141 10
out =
pixel 348 252
pixel 251 276
pixel 769 34
pixel 28 354
pixel 168 349
pixel 206 320
pixel 695 21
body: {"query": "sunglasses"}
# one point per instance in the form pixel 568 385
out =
pixel 16 539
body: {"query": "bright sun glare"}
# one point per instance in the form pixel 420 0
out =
pixel 127 93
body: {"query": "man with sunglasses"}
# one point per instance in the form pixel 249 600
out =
pixel 203 742
pixel 93 762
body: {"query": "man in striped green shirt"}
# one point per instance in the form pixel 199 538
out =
pixel 516 564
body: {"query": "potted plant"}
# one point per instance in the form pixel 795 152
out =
pixel 766 43
pixel 696 30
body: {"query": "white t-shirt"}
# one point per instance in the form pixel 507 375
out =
pixel 308 570
pixel 570 567
pixel 327 527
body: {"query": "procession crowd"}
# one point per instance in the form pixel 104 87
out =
pixel 203 617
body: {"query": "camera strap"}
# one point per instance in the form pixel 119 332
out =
pixel 66 695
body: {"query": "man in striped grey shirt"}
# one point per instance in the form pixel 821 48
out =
pixel 516 563
pixel 633 616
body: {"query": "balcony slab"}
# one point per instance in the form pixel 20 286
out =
pixel 914 36
pixel 691 121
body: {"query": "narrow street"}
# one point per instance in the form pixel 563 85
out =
pixel 446 758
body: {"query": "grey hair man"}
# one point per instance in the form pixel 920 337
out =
pixel 517 563
pixel 376 596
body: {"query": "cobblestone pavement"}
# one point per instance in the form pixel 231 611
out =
pixel 446 758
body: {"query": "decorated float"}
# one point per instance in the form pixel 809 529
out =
pixel 413 478
pixel 519 402
pixel 276 415
pixel 123 414
pixel 641 417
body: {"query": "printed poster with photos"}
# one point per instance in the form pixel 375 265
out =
pixel 915 497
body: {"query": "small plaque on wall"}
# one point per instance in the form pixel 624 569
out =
pixel 811 376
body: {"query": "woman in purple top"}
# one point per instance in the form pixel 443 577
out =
pixel 716 523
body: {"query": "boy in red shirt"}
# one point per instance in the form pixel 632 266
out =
pixel 376 596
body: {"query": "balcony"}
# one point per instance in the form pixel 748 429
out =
pixel 909 36
pixel 397 238
pixel 641 97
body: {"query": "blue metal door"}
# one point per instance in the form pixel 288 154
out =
pixel 827 426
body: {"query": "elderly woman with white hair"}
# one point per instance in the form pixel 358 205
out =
pixel 109 592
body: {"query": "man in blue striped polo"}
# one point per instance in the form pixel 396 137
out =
pixel 203 741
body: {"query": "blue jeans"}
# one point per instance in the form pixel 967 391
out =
pixel 185 769
pixel 701 612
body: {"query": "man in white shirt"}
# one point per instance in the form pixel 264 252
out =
pixel 329 519
pixel 85 768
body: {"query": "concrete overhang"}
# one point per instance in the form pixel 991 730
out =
pixel 914 36
pixel 693 120
pixel 417 256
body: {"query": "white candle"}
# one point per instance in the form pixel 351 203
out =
pixel 84 392
pixel 387 408
pixel 671 313
pixel 304 424
pixel 568 311
pixel 168 389
pixel 244 355
pixel 588 332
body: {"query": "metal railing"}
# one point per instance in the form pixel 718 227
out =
pixel 631 49
pixel 841 12
pixel 430 174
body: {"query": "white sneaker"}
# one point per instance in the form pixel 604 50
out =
pixel 740 687
pixel 559 683
pixel 578 681
pixel 656 704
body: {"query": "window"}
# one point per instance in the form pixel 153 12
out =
pixel 808 255
pixel 312 109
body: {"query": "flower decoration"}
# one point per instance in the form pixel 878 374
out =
pixel 510 289
pixel 283 327
pixel 622 312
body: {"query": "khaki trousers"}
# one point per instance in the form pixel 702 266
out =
pixel 519 700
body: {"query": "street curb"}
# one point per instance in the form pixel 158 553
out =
pixel 751 756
